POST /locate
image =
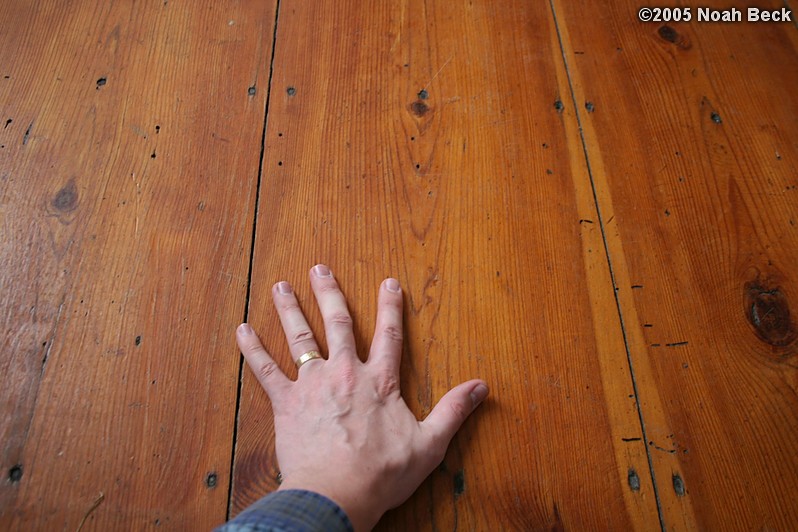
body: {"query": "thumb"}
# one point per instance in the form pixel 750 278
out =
pixel 454 408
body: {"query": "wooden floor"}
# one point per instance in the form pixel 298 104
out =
pixel 596 215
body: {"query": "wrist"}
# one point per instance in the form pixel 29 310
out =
pixel 361 511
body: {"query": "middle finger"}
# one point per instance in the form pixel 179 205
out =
pixel 334 312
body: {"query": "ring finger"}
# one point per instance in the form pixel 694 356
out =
pixel 297 331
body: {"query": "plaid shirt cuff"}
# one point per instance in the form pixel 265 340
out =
pixel 290 510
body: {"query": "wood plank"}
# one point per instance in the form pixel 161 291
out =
pixel 421 140
pixel 691 142
pixel 128 170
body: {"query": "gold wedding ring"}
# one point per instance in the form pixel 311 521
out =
pixel 310 355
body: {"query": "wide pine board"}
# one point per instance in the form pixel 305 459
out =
pixel 129 147
pixel 692 145
pixel 422 141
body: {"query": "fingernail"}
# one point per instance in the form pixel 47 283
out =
pixel 392 285
pixel 244 329
pixel 478 394
pixel 283 287
pixel 322 271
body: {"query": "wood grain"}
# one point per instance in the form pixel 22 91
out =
pixel 481 152
pixel 129 151
pixel 691 142
pixel 421 140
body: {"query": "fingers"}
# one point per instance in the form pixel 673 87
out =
pixel 268 373
pixel 387 345
pixel 297 331
pixel 453 409
pixel 334 312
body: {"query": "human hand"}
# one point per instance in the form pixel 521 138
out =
pixel 342 428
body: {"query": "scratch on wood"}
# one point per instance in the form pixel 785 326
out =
pixel 675 344
pixel 27 134
pixel 52 338
pixel 438 72
pixel 100 498
pixel 138 193
pixel 657 447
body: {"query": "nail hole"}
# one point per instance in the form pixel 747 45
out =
pixel 678 485
pixel 15 473
pixel 459 483
pixel 634 480
pixel 291 91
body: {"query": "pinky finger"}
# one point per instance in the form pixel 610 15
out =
pixel 266 370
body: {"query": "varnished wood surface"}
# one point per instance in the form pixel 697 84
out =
pixel 128 173
pixel 692 145
pixel 421 141
pixel 480 152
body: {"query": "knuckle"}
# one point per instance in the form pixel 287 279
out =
pixel 300 336
pixel 252 349
pixel 387 385
pixel 347 379
pixel 341 318
pixel 459 410
pixel 393 333
pixel 266 370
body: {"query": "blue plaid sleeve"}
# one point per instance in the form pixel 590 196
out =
pixel 290 510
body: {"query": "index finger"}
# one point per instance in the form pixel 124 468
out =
pixel 266 370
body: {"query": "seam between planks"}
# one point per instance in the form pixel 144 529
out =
pixel 609 264
pixel 252 261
